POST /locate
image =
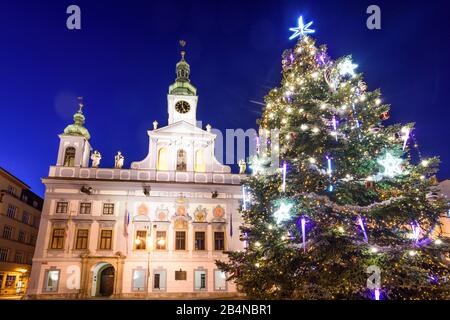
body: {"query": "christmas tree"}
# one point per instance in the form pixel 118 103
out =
pixel 351 213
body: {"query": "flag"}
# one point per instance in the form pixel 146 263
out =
pixel 127 222
pixel 231 224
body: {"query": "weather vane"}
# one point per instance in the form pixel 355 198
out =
pixel 80 99
pixel 302 29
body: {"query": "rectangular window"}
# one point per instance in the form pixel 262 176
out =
pixel 82 239
pixel 7 232
pixel 220 280
pixel 24 198
pixel 141 240
pixel 22 236
pixel 11 190
pixel 4 254
pixel 51 281
pixel 108 208
pixel 199 280
pixel 58 238
pixel 219 240
pixel 199 240
pixel 85 208
pixel 161 240
pixel 180 240
pixel 10 282
pixel 106 240
pixel 138 280
pixel 25 217
pixel 18 257
pixel 159 280
pixel 33 240
pixel 180 275
pixel 62 207
pixel 1 280
pixel 11 213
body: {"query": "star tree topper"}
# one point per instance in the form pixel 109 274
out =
pixel 302 29
pixel 391 164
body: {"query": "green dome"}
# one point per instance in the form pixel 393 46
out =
pixel 182 85
pixel 77 128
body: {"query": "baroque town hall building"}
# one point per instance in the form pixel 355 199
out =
pixel 153 230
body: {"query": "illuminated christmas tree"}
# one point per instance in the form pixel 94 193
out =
pixel 351 214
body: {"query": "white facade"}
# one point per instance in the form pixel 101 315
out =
pixel 155 229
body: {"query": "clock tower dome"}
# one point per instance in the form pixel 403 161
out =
pixel 182 98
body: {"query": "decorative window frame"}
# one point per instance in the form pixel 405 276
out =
pixel 202 269
pixel 214 281
pixel 133 288
pixel 155 271
pixel 44 285
pixel 90 211
pixel 105 228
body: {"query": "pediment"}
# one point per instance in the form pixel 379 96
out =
pixel 181 127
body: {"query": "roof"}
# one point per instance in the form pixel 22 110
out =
pixel 14 178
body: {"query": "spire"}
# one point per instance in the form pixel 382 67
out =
pixel 77 128
pixel 182 83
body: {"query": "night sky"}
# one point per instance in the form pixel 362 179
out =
pixel 123 60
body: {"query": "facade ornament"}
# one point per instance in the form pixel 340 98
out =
pixel 155 125
pixel 208 127
pixel 96 157
pixel 242 166
pixel 118 160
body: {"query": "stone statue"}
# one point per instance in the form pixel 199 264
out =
pixel 96 157
pixel 118 160
pixel 242 166
pixel 155 125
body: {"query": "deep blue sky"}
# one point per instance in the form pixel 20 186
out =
pixel 123 60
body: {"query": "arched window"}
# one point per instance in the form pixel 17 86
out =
pixel 163 159
pixel 69 157
pixel 200 165
pixel 181 160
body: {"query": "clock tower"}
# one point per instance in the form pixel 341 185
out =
pixel 182 98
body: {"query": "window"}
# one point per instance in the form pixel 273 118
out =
pixel 161 240
pixel 219 241
pixel 199 240
pixel 108 208
pixel 36 222
pixel 181 160
pixel 180 275
pixel 69 157
pixel 82 239
pixel 200 165
pixel 220 283
pixel 22 236
pixel 138 280
pixel 62 207
pixel 159 280
pixel 35 204
pixel 24 198
pixel 10 281
pixel 51 281
pixel 163 159
pixel 33 239
pixel 18 257
pixel 180 240
pixel 11 190
pixel 85 208
pixel 30 259
pixel 7 232
pixel 141 240
pixel 105 239
pixel 57 238
pixel 1 280
pixel 11 213
pixel 199 280
pixel 25 217
pixel 4 254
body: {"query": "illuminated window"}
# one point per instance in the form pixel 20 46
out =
pixel 57 241
pixel 85 208
pixel 141 240
pixel 108 208
pixel 200 165
pixel 181 160
pixel 106 240
pixel 163 159
pixel 161 240
pixel 10 281
pixel 138 280
pixel 82 239
pixel 51 281
pixel 69 157
pixel 220 280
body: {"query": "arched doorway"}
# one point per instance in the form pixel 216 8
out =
pixel 103 281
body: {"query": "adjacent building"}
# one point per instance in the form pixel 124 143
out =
pixel 154 229
pixel 20 212
pixel 444 188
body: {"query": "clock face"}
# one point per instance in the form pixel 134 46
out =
pixel 182 107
